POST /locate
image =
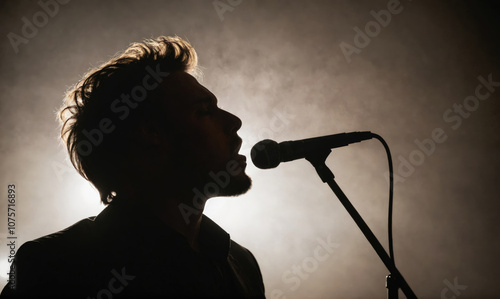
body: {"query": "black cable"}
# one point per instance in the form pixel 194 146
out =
pixel 391 194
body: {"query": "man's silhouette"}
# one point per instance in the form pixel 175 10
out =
pixel 155 144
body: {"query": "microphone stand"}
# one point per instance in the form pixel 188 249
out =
pixel 394 280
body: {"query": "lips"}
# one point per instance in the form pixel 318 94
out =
pixel 236 156
pixel 242 160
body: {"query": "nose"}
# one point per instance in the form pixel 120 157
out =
pixel 233 122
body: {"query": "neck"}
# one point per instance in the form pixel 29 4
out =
pixel 178 214
pixel 180 210
pixel 183 218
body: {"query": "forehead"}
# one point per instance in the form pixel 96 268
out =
pixel 180 88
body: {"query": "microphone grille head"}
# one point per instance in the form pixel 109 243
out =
pixel 266 154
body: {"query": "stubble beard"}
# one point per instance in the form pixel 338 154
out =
pixel 237 185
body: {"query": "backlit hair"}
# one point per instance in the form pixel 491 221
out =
pixel 93 108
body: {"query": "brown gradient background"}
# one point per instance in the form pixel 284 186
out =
pixel 271 58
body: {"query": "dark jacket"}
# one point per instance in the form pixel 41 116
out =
pixel 119 254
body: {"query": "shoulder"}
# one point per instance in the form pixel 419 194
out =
pixel 56 246
pixel 72 234
pixel 40 263
pixel 246 269
pixel 242 254
pixel 59 243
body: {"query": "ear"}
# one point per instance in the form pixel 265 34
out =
pixel 150 135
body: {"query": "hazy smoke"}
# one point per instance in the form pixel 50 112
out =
pixel 280 66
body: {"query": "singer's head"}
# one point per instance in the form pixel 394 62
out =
pixel 141 127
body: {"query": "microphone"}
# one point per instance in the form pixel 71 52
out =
pixel 269 154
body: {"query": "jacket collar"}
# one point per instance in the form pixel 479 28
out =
pixel 214 241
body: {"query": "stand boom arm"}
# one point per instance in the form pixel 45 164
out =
pixel 318 159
